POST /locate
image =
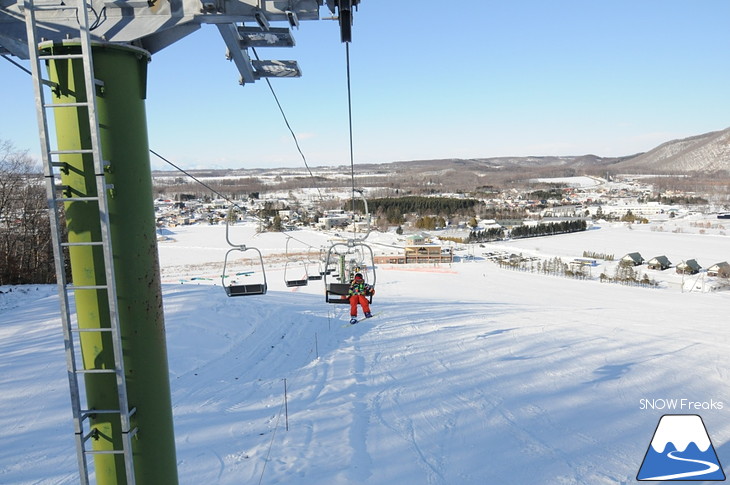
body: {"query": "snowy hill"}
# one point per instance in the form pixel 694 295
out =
pixel 708 153
pixel 469 374
pixel 705 153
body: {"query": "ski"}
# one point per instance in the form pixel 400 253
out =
pixel 354 321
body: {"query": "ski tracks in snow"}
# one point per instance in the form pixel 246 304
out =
pixel 361 411
pixel 433 429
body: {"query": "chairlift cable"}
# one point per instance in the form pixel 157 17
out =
pixel 306 244
pixel 227 199
pixel 286 121
pixel 19 66
pixel 151 151
pixel 215 191
pixel 386 245
pixel 22 68
pixel 349 119
pixel 196 179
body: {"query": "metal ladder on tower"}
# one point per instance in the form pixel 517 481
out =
pixel 51 162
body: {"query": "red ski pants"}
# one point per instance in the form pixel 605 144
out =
pixel 362 300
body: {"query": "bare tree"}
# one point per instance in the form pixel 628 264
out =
pixel 26 255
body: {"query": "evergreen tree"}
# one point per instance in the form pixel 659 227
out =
pixel 276 225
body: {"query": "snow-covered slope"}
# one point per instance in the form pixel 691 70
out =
pixel 469 374
pixel 708 152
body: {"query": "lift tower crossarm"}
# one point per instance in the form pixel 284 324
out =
pixel 156 24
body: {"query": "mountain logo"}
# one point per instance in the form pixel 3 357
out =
pixel 681 450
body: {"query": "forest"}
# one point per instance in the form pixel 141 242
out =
pixel 548 229
pixel 393 209
pixel 26 254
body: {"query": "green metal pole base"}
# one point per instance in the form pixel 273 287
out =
pixel 120 100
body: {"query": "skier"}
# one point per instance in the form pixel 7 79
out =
pixel 358 293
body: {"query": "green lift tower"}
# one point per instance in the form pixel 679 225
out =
pixel 90 76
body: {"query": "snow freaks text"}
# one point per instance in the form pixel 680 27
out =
pixel 679 404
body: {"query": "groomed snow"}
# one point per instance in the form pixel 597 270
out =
pixel 469 374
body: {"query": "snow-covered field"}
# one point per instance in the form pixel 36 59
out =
pixel 468 374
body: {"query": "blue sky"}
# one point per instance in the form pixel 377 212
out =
pixel 440 80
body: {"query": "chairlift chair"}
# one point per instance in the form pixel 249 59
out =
pixel 337 291
pixel 357 253
pixel 232 287
pixel 289 268
pixel 316 275
pixel 303 281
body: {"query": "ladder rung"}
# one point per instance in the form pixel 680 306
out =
pixel 89 412
pixel 96 371
pixel 103 452
pixel 61 6
pixel 60 56
pixel 93 243
pixel 86 287
pixel 76 199
pixel 66 105
pixel 85 413
pixel 71 152
pixel 83 330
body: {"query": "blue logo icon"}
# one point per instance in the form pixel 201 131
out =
pixel 681 450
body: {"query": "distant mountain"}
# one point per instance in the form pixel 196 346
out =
pixel 702 153
pixel 708 153
pixel 477 165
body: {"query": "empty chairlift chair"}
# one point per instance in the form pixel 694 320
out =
pixel 319 273
pixel 256 270
pixel 295 270
pixel 234 287
pixel 290 270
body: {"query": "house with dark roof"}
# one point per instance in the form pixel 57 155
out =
pixel 721 270
pixel 689 266
pixel 631 259
pixel 660 262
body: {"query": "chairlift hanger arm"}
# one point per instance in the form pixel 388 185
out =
pixel 345 8
pixel 231 211
pixel 367 215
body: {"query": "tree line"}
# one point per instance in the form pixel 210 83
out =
pixel 26 253
pixel 554 266
pixel 548 229
pixel 627 275
pixel 394 208
pixel 486 235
